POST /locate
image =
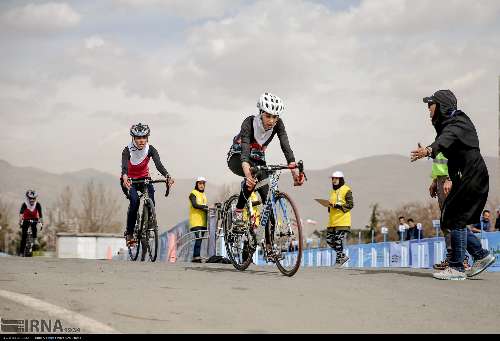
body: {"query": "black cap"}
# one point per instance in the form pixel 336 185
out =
pixel 429 99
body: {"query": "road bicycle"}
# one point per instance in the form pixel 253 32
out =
pixel 28 248
pixel 146 227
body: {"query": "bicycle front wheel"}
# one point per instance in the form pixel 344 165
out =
pixel 133 249
pixel 287 235
pixel 236 239
pixel 152 234
pixel 143 240
pixel 28 249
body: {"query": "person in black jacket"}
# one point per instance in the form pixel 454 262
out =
pixel 457 140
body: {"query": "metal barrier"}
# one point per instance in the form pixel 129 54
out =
pixel 185 246
pixel 417 253
pixel 213 233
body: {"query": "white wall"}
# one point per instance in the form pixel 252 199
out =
pixel 88 246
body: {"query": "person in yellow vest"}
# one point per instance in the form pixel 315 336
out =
pixel 441 182
pixel 440 187
pixel 341 204
pixel 198 208
pixel 256 207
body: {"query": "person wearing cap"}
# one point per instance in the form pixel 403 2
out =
pixel 458 141
pixel 198 207
pixel 441 184
pixel 341 204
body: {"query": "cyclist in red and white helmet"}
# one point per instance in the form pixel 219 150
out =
pixel 29 216
pixel 249 146
pixel 135 165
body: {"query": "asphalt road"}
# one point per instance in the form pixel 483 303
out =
pixel 133 297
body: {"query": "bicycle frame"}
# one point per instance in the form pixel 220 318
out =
pixel 270 205
pixel 271 194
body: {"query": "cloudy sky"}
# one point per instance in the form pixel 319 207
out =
pixel 75 75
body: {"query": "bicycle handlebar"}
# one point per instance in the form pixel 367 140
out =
pixel 32 221
pixel 153 181
pixel 275 168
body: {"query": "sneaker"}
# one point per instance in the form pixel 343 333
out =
pixel 450 274
pixel 480 265
pixel 341 261
pixel 441 266
pixel 238 217
pixel 196 260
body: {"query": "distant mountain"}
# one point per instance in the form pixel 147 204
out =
pixel 15 180
pixel 389 180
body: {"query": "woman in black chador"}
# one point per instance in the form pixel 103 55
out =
pixel 457 140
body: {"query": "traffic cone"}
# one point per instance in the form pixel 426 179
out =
pixel 172 252
pixel 110 253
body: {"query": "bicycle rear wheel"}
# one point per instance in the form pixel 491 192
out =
pixel 152 234
pixel 287 235
pixel 237 240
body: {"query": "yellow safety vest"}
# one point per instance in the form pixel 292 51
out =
pixel 253 198
pixel 439 166
pixel 337 217
pixel 198 217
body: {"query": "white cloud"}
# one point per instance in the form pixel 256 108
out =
pixel 352 80
pixel 36 18
pixel 186 8
pixel 94 42
pixel 402 17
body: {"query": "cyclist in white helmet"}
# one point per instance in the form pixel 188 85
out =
pixel 249 146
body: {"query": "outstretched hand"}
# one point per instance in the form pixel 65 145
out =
pixel 419 153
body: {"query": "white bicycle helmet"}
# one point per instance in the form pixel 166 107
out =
pixel 337 174
pixel 271 104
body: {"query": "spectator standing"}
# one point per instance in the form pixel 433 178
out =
pixel 412 232
pixel 402 228
pixel 198 208
pixel 341 204
pixel 457 139
pixel 484 224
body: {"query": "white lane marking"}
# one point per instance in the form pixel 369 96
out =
pixel 86 323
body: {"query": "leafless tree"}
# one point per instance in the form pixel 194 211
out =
pixel 422 213
pixel 6 233
pixel 99 209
